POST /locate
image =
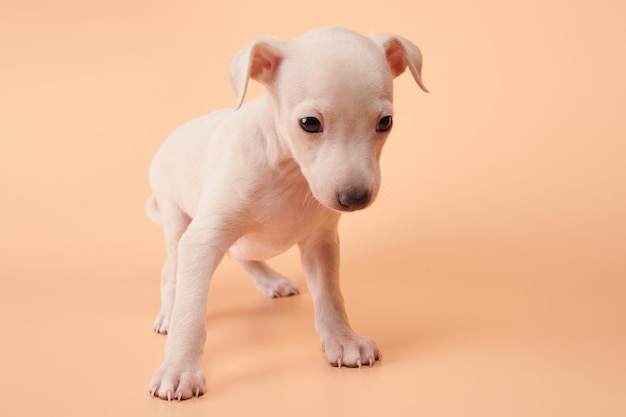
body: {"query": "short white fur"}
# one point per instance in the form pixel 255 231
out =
pixel 250 181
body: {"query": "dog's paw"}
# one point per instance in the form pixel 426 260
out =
pixel 162 323
pixel 177 382
pixel 276 286
pixel 350 351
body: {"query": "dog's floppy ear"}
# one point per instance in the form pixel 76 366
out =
pixel 258 61
pixel 400 53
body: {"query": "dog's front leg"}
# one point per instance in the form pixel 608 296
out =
pixel 342 347
pixel 180 375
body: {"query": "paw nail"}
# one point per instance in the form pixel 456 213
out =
pixel 371 361
pixel 339 362
pixel 358 363
pixel 169 396
pixel 197 392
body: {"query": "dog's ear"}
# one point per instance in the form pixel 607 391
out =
pixel 258 61
pixel 400 53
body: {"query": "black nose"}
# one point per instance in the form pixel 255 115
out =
pixel 353 199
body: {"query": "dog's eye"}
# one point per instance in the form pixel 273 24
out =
pixel 311 125
pixel 384 124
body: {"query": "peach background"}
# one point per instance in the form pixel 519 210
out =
pixel 491 271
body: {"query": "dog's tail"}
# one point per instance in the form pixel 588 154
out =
pixel 152 210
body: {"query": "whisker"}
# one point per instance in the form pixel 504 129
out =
pixel 386 193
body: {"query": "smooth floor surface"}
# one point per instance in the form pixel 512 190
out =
pixel 491 271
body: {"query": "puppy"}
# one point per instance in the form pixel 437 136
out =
pixel 258 178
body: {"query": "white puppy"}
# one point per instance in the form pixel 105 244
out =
pixel 278 171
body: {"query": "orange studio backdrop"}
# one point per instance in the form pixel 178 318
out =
pixel 491 271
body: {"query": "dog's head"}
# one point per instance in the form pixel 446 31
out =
pixel 332 93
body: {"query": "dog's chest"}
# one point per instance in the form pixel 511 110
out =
pixel 284 220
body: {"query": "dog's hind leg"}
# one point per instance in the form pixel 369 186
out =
pixel 175 222
pixel 268 281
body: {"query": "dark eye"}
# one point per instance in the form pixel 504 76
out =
pixel 384 124
pixel 311 125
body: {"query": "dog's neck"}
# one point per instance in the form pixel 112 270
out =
pixel 275 148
